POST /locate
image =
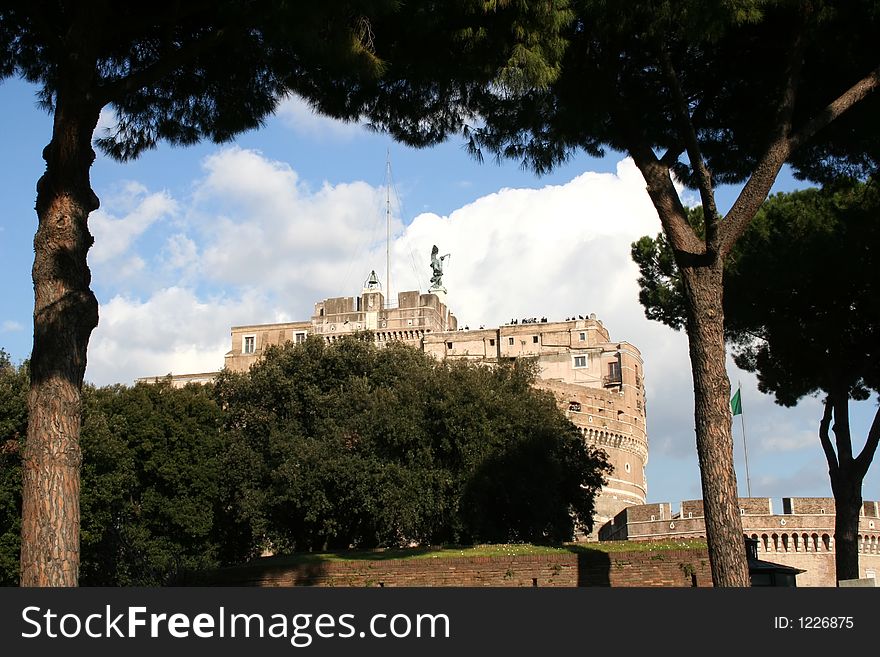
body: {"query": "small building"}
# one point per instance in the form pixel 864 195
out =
pixel 767 573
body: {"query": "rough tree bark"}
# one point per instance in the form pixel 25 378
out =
pixel 65 313
pixel 705 330
pixel 702 265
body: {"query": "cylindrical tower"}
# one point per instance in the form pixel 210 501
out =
pixel 610 414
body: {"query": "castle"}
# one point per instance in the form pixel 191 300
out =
pixel 598 383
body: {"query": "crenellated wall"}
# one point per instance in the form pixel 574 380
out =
pixel 802 536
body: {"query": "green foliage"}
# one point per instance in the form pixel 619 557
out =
pixel 150 483
pixel 661 289
pixel 802 309
pixel 349 445
pixel 317 447
pixel 731 60
pixel 13 429
pixel 804 295
pixel 801 302
pixel 187 72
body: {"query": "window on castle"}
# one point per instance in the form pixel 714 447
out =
pixel 510 341
pixel 614 371
pixel 299 337
pixel 449 345
pixel 249 344
pixel 491 342
pixel 535 339
pixel 582 337
pixel 580 361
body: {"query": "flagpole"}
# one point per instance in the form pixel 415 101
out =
pixel 745 451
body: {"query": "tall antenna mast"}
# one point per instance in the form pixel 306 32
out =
pixel 388 227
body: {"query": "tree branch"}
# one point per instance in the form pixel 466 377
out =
pixel 164 65
pixel 695 155
pixel 762 179
pixel 778 151
pixel 830 456
pixel 673 217
pixel 670 157
pixel 863 460
pixel 842 436
pixel 856 93
pixel 664 196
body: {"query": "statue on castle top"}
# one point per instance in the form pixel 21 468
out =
pixel 437 269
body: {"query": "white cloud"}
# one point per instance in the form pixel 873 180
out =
pixel 274 246
pixel 107 122
pixel 10 326
pixel 180 253
pixel 262 227
pixel 298 115
pixel 172 331
pixel 555 251
pixel 137 209
pixel 809 479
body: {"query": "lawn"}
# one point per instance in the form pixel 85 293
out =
pixel 503 550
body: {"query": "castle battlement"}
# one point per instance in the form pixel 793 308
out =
pixel 800 535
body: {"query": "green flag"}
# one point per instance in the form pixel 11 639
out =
pixel 736 403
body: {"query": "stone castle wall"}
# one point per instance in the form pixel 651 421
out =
pixel 802 536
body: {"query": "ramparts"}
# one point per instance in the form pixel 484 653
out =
pixel 802 536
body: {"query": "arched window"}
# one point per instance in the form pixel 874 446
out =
pixel 826 541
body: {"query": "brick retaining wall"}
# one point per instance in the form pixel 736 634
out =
pixel 660 568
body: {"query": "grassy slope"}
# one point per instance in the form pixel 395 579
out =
pixel 508 550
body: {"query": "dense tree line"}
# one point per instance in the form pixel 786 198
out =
pixel 13 427
pixel 150 480
pixel 317 447
pixel 181 73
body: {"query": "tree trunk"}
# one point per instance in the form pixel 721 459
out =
pixel 705 329
pixel 848 505
pixel 65 312
pixel 847 477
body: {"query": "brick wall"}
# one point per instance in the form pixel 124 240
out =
pixel 659 511
pixel 755 505
pixel 812 505
pixel 660 568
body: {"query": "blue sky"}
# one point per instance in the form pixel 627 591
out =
pixel 192 241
